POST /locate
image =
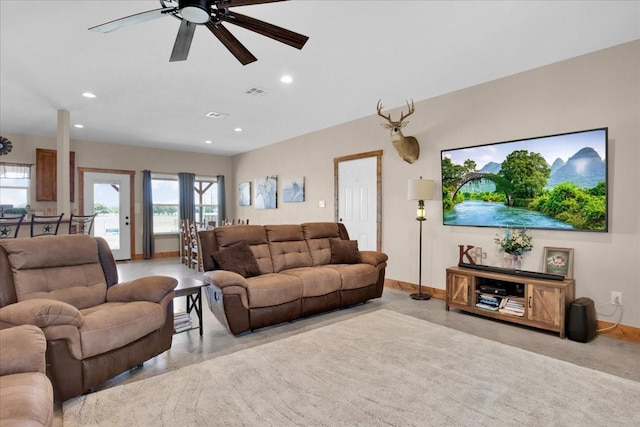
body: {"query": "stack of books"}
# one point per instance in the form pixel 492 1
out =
pixel 512 307
pixel 489 302
pixel 181 321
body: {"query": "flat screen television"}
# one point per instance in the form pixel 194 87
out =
pixel 556 182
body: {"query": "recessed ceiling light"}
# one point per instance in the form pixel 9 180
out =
pixel 286 79
pixel 79 126
pixel 238 129
pixel 208 142
pixel 89 95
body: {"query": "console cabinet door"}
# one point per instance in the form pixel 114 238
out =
pixel 544 304
pixel 459 288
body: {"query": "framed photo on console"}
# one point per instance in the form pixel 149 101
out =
pixel 558 261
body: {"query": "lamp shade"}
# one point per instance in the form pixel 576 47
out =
pixel 420 189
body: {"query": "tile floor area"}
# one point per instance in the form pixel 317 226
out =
pixel 604 354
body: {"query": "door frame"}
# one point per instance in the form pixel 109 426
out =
pixel 336 190
pixel 132 220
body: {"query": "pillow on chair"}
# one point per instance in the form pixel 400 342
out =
pixel 344 251
pixel 238 258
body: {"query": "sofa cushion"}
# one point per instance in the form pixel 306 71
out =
pixel 356 276
pixel 316 281
pixel 318 235
pixel 65 268
pixel 238 258
pixel 288 247
pixel 344 251
pixel 254 235
pixel 273 289
pixel 26 399
pixel 115 324
pixel 22 349
pixel 317 230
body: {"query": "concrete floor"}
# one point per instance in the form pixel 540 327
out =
pixel 604 354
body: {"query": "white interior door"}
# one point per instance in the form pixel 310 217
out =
pixel 108 195
pixel 358 200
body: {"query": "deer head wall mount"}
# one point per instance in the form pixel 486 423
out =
pixel 406 146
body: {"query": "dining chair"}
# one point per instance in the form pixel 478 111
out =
pixel 45 225
pixel 81 224
pixel 10 225
pixel 195 256
pixel 185 239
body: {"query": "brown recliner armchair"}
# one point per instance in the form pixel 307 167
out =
pixel 26 396
pixel 96 328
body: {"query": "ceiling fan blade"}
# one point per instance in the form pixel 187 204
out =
pixel 183 41
pixel 223 4
pixel 229 41
pixel 133 19
pixel 269 30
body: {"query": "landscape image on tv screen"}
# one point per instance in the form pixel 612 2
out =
pixel 548 182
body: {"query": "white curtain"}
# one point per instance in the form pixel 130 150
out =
pixel 15 170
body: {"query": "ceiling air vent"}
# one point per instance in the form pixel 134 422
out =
pixel 216 115
pixel 256 91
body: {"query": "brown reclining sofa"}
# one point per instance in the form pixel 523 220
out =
pixel 26 395
pixel 258 276
pixel 96 328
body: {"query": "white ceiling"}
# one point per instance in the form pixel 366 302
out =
pixel 358 51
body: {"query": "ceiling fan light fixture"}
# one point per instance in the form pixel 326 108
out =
pixel 196 11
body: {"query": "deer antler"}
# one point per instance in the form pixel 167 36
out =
pixel 411 111
pixel 380 107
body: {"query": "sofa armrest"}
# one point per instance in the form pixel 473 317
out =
pixel 22 349
pixel 150 288
pixel 374 258
pixel 224 279
pixel 41 313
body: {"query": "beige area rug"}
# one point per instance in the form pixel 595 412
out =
pixel 377 369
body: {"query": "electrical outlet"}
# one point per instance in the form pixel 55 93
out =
pixel 616 298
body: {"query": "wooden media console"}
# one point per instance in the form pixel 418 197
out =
pixel 540 303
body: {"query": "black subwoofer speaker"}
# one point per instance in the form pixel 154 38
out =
pixel 581 321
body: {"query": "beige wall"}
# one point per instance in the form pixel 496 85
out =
pixel 595 90
pixel 122 157
pixel 599 89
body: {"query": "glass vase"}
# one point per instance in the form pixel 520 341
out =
pixel 512 261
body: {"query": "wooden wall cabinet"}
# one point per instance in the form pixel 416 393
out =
pixel 544 301
pixel 47 175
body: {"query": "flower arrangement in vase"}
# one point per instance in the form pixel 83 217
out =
pixel 514 243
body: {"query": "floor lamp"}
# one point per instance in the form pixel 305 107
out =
pixel 420 190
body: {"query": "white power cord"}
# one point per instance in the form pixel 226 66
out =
pixel 612 327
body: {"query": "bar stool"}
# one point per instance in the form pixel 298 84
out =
pixel 45 225
pixel 10 225
pixel 81 224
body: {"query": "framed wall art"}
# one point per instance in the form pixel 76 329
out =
pixel 293 190
pixel 244 194
pixel 266 195
pixel 558 261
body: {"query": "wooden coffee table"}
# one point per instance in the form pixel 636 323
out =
pixel 192 289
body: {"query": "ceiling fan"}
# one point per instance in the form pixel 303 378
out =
pixel 212 14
